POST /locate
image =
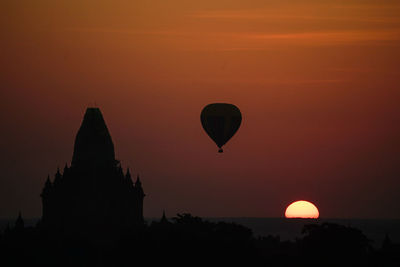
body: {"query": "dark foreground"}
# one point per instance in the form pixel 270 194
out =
pixel 188 240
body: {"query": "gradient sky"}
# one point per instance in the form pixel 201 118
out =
pixel 317 83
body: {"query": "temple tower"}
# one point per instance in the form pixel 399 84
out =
pixel 93 194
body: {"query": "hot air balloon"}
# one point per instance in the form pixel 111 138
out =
pixel 221 121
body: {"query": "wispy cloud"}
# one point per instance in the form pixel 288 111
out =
pixel 319 24
pixel 270 15
pixel 350 36
pixel 333 36
pixel 381 5
pixel 252 41
pixel 125 31
pixel 311 81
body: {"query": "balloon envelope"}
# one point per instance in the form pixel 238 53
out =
pixel 221 121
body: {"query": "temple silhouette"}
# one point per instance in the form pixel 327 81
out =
pixel 93 216
pixel 92 195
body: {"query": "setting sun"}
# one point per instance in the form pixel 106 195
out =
pixel 302 209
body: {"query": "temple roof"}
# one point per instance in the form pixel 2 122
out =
pixel 93 144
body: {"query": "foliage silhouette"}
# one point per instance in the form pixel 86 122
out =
pixel 93 216
pixel 190 240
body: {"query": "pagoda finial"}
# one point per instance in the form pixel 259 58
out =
pixel 138 182
pixel 19 223
pixel 48 182
pixel 47 187
pixel 128 178
pixel 65 173
pixel 93 133
pixel 57 176
pixel 120 171
pixel 164 218
pixel 139 188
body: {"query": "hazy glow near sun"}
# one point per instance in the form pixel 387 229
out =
pixel 302 209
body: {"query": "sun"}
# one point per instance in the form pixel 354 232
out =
pixel 302 209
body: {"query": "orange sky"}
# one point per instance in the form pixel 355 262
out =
pixel 317 83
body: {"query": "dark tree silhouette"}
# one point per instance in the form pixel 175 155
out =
pixel 93 216
pixel 340 244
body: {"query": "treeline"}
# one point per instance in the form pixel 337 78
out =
pixel 187 240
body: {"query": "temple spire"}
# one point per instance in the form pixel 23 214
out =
pixel 47 188
pixel 57 177
pixel 93 144
pixel 138 182
pixel 19 223
pixel 48 182
pixel 139 188
pixel 163 218
pixel 128 178
pixel 65 168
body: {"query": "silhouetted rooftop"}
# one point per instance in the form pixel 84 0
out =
pixel 93 142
